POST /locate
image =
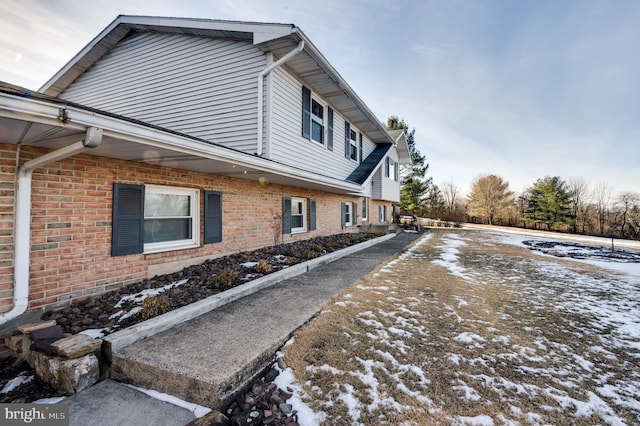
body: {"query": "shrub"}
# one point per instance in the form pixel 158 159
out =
pixel 310 254
pixel 226 277
pixel 263 267
pixel 154 306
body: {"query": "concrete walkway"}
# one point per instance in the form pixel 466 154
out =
pixel 209 358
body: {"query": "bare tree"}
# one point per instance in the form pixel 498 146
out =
pixel 602 199
pixel 490 198
pixel 625 202
pixel 450 193
pixel 579 190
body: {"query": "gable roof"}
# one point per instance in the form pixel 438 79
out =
pixel 402 146
pixel 310 65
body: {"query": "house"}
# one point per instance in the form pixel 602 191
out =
pixel 168 141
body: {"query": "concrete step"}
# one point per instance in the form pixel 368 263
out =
pixel 208 359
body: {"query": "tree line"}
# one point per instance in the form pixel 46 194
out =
pixel 551 203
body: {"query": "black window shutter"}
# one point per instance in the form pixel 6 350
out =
pixel 128 219
pixel 360 150
pixel 355 213
pixel 286 215
pixel 306 113
pixel 386 166
pixel 343 213
pixel 212 217
pixel 330 129
pixel 312 215
pixel 347 138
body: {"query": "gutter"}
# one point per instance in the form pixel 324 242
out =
pixel 260 149
pixel 22 233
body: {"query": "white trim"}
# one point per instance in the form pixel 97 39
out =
pixel 348 209
pixel 295 201
pixel 38 111
pixel 194 210
pixel 365 209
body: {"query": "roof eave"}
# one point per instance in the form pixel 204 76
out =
pixel 123 24
pixel 34 107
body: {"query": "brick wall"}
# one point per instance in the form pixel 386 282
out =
pixel 8 156
pixel 71 223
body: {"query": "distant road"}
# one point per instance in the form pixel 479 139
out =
pixel 632 244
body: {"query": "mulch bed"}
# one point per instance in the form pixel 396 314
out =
pixel 96 312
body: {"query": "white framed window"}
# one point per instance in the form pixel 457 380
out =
pixel 317 121
pixel 382 213
pixel 171 218
pixel 353 145
pixel 348 214
pixel 390 169
pixel 365 208
pixel 298 215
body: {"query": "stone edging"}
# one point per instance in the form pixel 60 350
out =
pixel 142 330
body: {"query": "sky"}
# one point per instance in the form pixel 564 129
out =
pixel 520 89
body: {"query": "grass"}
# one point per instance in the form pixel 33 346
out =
pixel 415 344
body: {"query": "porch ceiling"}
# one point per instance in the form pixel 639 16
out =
pixel 124 140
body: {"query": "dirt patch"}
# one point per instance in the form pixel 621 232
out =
pixel 466 329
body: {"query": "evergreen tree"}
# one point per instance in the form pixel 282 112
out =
pixel 549 202
pixel 415 184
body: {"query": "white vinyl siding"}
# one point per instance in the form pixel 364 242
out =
pixel 386 188
pixel 199 86
pixel 287 144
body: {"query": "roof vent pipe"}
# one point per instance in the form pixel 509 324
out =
pixel 267 70
pixel 22 233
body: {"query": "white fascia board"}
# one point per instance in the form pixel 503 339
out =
pixel 263 31
pixel 313 51
pixel 40 111
pixel 85 51
pixel 148 136
pixel 402 148
pixel 20 108
pixel 120 26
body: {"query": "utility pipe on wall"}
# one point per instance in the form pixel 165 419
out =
pixel 22 233
pixel 267 70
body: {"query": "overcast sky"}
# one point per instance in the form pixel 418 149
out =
pixel 520 89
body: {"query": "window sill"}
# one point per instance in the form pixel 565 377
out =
pixel 171 246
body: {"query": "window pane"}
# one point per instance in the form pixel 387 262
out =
pixel 160 230
pixel 298 208
pixel 354 153
pixel 317 110
pixel 297 221
pixel 162 205
pixel 353 136
pixel 317 132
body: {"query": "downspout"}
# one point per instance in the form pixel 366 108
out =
pixel 267 70
pixel 22 234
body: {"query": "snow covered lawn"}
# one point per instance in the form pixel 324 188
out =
pixel 472 328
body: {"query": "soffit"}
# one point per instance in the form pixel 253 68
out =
pixel 33 120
